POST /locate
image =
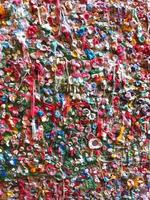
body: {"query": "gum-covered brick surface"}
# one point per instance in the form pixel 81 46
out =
pixel 74 100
